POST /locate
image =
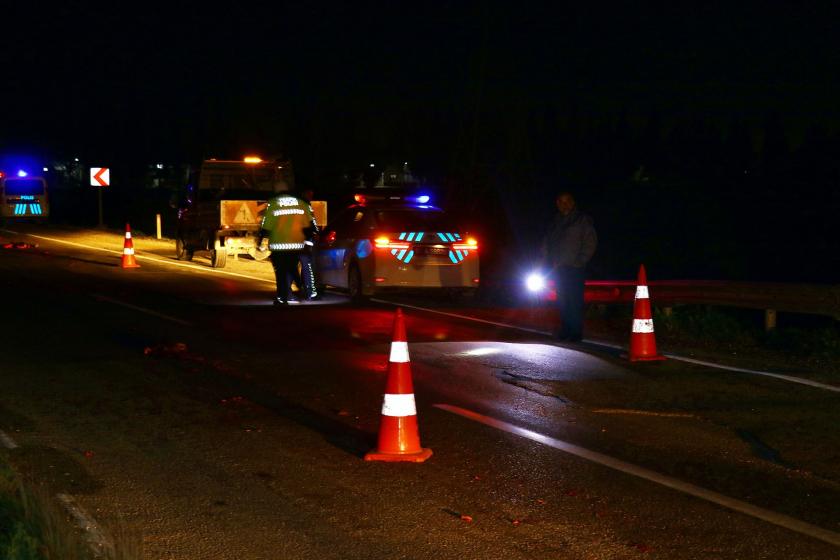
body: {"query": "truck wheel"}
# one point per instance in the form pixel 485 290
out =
pixel 218 257
pixel 182 252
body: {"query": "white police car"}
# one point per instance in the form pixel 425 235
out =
pixel 383 243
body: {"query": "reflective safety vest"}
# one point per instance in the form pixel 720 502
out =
pixel 289 222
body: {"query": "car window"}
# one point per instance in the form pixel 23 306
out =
pixel 343 223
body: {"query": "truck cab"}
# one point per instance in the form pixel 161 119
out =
pixel 221 208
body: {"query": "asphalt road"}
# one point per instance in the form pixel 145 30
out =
pixel 181 410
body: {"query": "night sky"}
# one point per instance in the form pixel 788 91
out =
pixel 488 98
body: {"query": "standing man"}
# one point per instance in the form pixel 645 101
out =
pixel 567 248
pixel 308 285
pixel 287 223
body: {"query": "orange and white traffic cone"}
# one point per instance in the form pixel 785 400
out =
pixel 399 439
pixel 642 339
pixel 128 260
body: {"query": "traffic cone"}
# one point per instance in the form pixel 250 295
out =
pixel 128 260
pixel 642 339
pixel 398 436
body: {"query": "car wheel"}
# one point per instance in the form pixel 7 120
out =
pixel 354 283
pixel 182 252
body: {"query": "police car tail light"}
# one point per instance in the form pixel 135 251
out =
pixel 471 244
pixel 383 242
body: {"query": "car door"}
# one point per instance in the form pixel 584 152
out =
pixel 332 248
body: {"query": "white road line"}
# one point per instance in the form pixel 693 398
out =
pixel 142 310
pixel 7 441
pixel 148 258
pixel 99 543
pixel 628 468
pixel 790 378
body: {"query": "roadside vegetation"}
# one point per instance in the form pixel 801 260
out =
pixel 33 525
pixel 809 337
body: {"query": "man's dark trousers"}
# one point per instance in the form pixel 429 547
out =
pixel 285 268
pixel 570 287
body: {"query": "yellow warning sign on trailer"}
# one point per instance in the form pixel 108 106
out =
pixel 242 212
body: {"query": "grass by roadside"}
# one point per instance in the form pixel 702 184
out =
pixel 32 525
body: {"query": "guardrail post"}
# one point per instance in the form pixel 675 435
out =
pixel 769 319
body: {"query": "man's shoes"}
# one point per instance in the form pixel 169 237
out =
pixel 293 300
pixel 279 301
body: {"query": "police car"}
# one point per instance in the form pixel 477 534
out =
pixel 395 242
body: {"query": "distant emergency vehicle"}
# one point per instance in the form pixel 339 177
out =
pixel 396 241
pixel 23 197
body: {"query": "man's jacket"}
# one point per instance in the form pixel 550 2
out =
pixel 288 223
pixel 571 241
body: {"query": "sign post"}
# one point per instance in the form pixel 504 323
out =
pixel 100 177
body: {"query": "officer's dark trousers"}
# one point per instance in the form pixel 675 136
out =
pixel 307 273
pixel 285 269
pixel 570 288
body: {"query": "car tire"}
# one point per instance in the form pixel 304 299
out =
pixel 354 284
pixel 182 250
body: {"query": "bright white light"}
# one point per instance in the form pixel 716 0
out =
pixel 46 169
pixel 75 159
pixel 159 166
pixel 423 199
pixel 481 351
pixel 372 165
pixel 535 282
pixel 22 173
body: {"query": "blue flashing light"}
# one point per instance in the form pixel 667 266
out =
pixel 423 198
pixel 22 173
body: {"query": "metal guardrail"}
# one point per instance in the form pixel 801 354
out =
pixel 814 299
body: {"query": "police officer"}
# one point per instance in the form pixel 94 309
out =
pixel 288 225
